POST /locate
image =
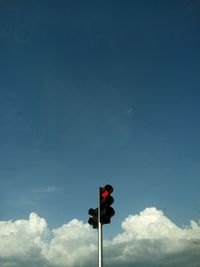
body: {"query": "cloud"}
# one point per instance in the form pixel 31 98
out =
pixel 48 189
pixel 148 239
pixel 151 239
pixel 128 112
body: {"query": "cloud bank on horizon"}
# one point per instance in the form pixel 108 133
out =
pixel 148 239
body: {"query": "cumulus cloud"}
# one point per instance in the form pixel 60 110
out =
pixel 151 239
pixel 148 239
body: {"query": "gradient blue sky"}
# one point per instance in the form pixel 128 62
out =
pixel 96 92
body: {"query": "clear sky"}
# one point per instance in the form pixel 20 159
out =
pixel 97 92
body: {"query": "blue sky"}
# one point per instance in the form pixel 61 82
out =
pixel 97 92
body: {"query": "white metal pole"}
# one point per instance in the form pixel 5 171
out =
pixel 100 233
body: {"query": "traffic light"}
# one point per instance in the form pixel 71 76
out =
pixel 106 211
pixel 94 219
pixel 106 200
pixel 101 215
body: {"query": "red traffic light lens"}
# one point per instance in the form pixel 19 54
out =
pixel 105 194
pixel 107 190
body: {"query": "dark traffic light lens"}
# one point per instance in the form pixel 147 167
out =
pixel 109 200
pixel 93 212
pixel 90 221
pixel 110 212
pixel 93 222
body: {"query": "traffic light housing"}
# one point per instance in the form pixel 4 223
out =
pixel 94 219
pixel 106 200
pixel 104 209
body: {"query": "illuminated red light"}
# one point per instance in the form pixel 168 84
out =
pixel 105 194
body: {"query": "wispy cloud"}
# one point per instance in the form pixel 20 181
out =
pixel 47 189
pixel 148 239
pixel 129 112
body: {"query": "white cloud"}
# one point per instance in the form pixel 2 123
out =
pixel 48 189
pixel 151 239
pixel 148 239
pixel 71 244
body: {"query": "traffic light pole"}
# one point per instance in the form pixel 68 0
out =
pixel 101 215
pixel 100 233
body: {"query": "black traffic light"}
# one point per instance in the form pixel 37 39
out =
pixel 94 219
pixel 106 211
pixel 106 200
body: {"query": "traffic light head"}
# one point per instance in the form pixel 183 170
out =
pixel 104 212
pixel 94 219
pixel 106 200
